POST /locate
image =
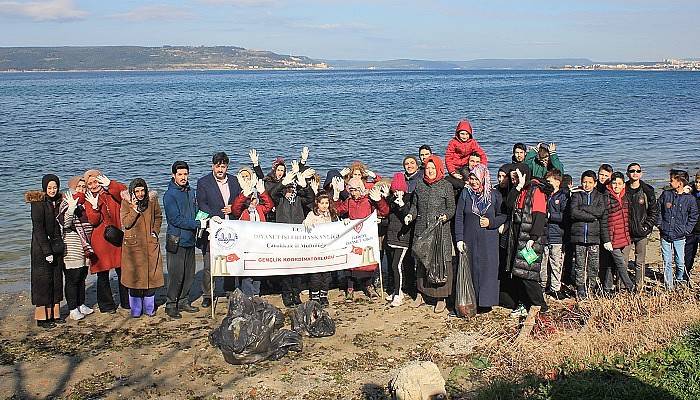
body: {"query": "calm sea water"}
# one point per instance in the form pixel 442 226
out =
pixel 133 124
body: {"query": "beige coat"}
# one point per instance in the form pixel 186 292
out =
pixel 142 264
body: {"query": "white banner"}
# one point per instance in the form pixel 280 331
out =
pixel 244 248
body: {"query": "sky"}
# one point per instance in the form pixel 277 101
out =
pixel 601 30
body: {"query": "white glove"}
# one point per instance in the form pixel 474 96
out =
pixel 371 174
pixel 399 198
pixel 338 183
pixel 92 199
pixel 203 223
pixel 103 181
pixel 216 219
pixel 345 171
pixel 314 185
pixel 300 180
pixel 442 218
pixel 308 173
pixel 552 148
pixel 304 155
pixel 529 244
pixel 254 158
pixel 608 246
pixel 346 221
pixel 384 189
pixel 71 201
pixel 49 258
pixel 461 246
pixel 375 194
pixel 295 167
pixel 408 219
pixel 521 180
pixel 502 228
pixel 289 178
pixel 260 186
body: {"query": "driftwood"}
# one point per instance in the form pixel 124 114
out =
pixel 529 324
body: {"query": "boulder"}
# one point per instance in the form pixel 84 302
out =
pixel 418 380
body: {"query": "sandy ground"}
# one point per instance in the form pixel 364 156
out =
pixel 113 355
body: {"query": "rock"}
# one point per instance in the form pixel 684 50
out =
pixel 418 380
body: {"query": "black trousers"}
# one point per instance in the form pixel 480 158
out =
pixel 105 299
pixel 516 291
pixel 75 286
pixel 395 257
pixel 181 267
pixel 291 283
pixel 319 281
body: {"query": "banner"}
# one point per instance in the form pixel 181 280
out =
pixel 244 248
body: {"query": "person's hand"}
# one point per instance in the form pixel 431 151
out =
pixel 457 175
pixel 260 186
pixel 408 219
pixel 308 173
pixel 71 201
pixel 103 180
pixel 304 155
pixel 288 178
pixel 346 221
pixel 241 180
pixel 529 244
pixel 90 198
pixel 49 258
pixel 461 246
pixel 216 219
pixel 442 218
pixel 521 180
pixel 384 190
pixel 254 158
pixel 375 194
pixel 345 171
pixel 398 198
pixel 338 184
pixel 314 185
pixel 502 229
pixel 552 148
pixel 484 222
pixel 295 167
pixel 308 226
pixel 301 181
pixel 608 246
pixel 134 203
pixel 226 210
pixel 371 174
pixel 247 188
pixel 687 189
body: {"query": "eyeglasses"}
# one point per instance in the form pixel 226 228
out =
pixel 634 171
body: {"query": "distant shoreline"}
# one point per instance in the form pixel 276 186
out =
pixel 340 69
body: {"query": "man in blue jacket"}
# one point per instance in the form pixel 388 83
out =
pixel 180 212
pixel 215 193
pixel 677 218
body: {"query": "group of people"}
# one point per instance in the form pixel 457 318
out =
pixel 525 235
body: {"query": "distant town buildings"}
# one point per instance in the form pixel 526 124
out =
pixel 670 64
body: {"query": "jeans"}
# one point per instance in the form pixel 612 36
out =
pixel 621 258
pixel 691 249
pixel 669 252
pixel 586 269
pixel 180 275
pixel 551 269
pixel 640 253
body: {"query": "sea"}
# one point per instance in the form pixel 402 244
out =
pixel 136 124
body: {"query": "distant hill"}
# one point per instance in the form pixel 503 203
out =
pixel 523 64
pixel 145 58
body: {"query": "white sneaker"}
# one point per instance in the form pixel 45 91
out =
pixel 389 297
pixel 398 301
pixel 76 315
pixel 519 312
pixel 85 310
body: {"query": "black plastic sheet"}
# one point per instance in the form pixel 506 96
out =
pixel 428 249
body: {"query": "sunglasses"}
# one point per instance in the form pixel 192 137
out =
pixel 634 171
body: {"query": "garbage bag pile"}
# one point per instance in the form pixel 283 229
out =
pixel 310 319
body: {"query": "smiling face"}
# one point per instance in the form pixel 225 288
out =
pixel 519 155
pixel 80 187
pixel 410 166
pixel 356 173
pixel 463 135
pixel 474 160
pixel 323 205
pixel 430 170
pixel 52 189
pixel 93 186
pixel 475 183
pixel 139 192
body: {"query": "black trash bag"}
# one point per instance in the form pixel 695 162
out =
pixel 465 296
pixel 251 332
pixel 311 319
pixel 428 249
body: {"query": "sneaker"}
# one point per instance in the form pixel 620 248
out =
pixel 85 310
pixel 389 297
pixel 76 315
pixel 349 296
pixel 397 301
pixel 440 306
pixel 418 301
pixel 519 312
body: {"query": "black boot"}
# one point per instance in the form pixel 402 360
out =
pixel 45 324
pixel 172 312
pixel 297 299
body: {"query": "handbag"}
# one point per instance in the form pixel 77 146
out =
pixel 58 247
pixel 112 234
pixel 172 243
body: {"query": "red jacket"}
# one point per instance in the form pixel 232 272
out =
pixel 362 207
pixel 240 210
pixel 107 256
pixel 457 154
pixel 618 219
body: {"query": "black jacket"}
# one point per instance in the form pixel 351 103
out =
pixel 589 218
pixel 398 234
pixel 558 218
pixel 644 210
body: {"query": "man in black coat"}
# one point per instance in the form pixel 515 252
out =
pixel 644 211
pixel 215 193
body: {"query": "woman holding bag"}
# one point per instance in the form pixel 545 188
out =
pixel 47 251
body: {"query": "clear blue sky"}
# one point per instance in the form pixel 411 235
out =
pixel 602 30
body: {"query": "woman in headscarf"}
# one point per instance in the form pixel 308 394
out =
pixel 142 264
pixel 47 250
pixel 477 220
pixel 77 231
pixel 433 200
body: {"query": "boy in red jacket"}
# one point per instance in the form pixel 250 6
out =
pixel 460 147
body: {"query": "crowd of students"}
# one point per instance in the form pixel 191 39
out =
pixel 527 235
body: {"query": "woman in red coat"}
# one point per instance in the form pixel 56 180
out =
pixel 620 242
pixel 103 209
